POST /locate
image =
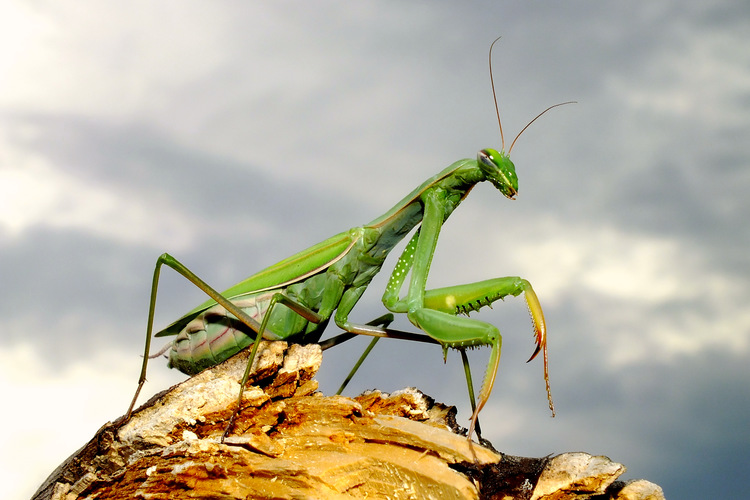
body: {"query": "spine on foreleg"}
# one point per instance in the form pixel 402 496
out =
pixel 462 299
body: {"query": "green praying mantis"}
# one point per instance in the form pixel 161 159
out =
pixel 295 299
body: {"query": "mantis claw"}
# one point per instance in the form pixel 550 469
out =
pixel 540 334
pixel 533 355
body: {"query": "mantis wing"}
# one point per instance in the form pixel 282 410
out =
pixel 282 274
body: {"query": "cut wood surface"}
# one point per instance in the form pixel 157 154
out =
pixel 290 441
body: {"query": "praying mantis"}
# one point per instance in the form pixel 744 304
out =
pixel 295 299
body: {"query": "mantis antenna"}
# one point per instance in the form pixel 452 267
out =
pixel 494 97
pixel 497 109
pixel 532 121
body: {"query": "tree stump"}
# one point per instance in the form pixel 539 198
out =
pixel 290 441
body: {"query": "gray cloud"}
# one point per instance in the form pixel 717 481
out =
pixel 235 135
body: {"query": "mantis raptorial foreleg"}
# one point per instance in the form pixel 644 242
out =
pixel 438 319
pixel 435 311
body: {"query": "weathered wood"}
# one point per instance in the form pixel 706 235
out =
pixel 289 441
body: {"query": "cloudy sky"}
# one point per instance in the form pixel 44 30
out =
pixel 233 134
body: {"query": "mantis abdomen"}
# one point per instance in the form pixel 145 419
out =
pixel 215 335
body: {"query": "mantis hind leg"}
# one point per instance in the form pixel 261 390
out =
pixel 357 365
pixel 277 299
pixel 169 261
pixel 470 387
pixel 384 321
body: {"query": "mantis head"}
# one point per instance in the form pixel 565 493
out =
pixel 499 170
pixel 496 166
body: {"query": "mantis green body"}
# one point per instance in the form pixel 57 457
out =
pixel 295 299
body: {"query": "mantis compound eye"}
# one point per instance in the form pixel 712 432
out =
pixel 499 170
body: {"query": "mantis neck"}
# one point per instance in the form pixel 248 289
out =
pixel 455 182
